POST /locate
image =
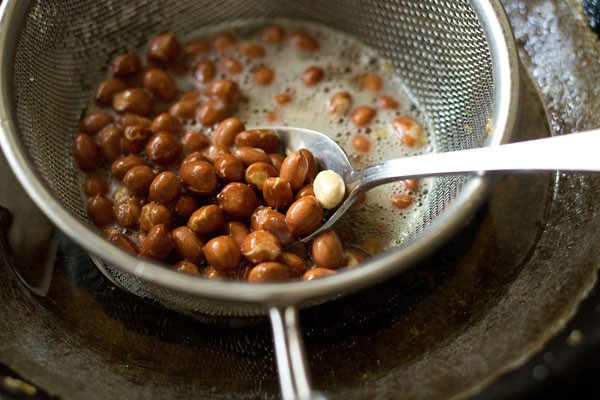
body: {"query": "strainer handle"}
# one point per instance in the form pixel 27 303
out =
pixel 289 352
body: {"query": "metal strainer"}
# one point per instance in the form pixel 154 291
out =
pixel 456 57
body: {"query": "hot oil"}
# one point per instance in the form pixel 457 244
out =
pixel 376 224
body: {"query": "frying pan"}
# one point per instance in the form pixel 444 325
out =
pixel 457 58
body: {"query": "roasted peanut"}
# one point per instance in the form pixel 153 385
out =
pixel 120 166
pixel 295 169
pixel 192 157
pixel 93 122
pixel 216 274
pixel 312 75
pixel 163 148
pixel 223 253
pixel 186 205
pixel 252 50
pixel 388 103
pixel 164 188
pixel 294 263
pixel 372 82
pixel 196 48
pixel 229 169
pixel 410 185
pixel 304 216
pixel 126 64
pixel 250 155
pixel 194 141
pixel 127 213
pixel 307 190
pixel 354 256
pixel 276 160
pixel 260 246
pixel 283 98
pixel 361 143
pixel 205 71
pixel 272 34
pixel 199 177
pixel 158 243
pixel 339 103
pixel 166 122
pixel 153 214
pixel 129 119
pixel 223 40
pixel 265 139
pixel 362 116
pixel 263 76
pixel 224 89
pixel 237 230
pixel 138 180
pixel 125 243
pixel 161 84
pixel 224 135
pixel 99 209
pixel 107 89
pixel 232 65
pixel 257 173
pixel 269 272
pixel 184 109
pixel 86 152
pixel 188 245
pixel 265 218
pixel 304 41
pixel 213 111
pixel 135 101
pixel 277 193
pixel 94 186
pixel 327 251
pixel 187 267
pixel 109 140
pixel 207 219
pixel 402 201
pixel 163 48
pixel 409 131
pixel 135 138
pixel 316 273
pixel 237 200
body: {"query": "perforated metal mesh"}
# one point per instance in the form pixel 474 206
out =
pixel 437 47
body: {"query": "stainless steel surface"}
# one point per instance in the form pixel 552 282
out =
pixel 457 59
pixel 572 152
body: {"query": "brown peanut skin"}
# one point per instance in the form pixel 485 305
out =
pixel 187 267
pixel 184 109
pixel 264 139
pixel 120 166
pixel 87 152
pixel 317 273
pixel 224 89
pixel 265 218
pixel 207 219
pixel 135 101
pixel 99 209
pixel 186 205
pixel 238 200
pixel 362 116
pixel 163 48
pixel 295 169
pixel 294 263
pixel 199 177
pixel 153 214
pixel 188 245
pixel 126 64
pixel 138 180
pixel 163 148
pixel 250 155
pixel 127 213
pixel 263 76
pixel 166 122
pixel 92 123
pixel 304 41
pixel 260 246
pixel 229 169
pixel 106 90
pixel 194 141
pixel 125 243
pixel 205 71
pixel 272 34
pixel 269 272
pixel 327 251
pixel 95 186
pixel 223 253
pixel 312 76
pixel 304 216
pixel 213 111
pixel 224 135
pixel 135 138
pixel 257 173
pixel 277 193
pixel 164 188
pixel 110 141
pixel 158 243
pixel 237 230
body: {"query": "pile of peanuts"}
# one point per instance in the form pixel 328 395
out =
pixel 228 205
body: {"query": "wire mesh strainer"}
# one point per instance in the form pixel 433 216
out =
pixel 456 58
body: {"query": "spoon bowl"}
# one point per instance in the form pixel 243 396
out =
pixel 573 152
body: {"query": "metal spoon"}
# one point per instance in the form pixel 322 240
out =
pixel 575 152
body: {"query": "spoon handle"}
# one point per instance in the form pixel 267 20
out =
pixel 575 152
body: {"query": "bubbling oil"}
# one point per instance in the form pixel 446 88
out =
pixel 375 224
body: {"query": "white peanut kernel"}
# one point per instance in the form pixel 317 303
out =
pixel 329 188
